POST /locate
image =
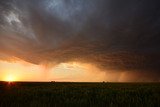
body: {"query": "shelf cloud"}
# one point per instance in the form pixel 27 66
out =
pixel 110 34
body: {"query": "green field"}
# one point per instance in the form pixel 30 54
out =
pixel 56 94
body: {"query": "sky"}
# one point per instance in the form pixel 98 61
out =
pixel 80 40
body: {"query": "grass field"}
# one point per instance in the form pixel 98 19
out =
pixel 56 94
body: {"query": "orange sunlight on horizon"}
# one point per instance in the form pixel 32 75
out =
pixel 19 70
pixel 10 78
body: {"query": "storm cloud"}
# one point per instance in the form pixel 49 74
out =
pixel 119 35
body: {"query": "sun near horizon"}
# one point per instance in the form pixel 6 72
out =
pixel 10 78
pixel 19 70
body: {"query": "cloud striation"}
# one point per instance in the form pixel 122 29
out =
pixel 111 34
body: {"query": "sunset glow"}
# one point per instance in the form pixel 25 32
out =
pixel 10 78
pixel 19 70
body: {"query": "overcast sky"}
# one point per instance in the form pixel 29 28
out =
pixel 115 35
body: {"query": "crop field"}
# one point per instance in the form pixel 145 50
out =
pixel 61 94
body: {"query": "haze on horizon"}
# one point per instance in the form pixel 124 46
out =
pixel 80 40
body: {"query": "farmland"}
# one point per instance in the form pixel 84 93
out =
pixel 68 94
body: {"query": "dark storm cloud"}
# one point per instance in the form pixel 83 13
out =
pixel 112 34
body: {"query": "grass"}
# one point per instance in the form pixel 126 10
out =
pixel 56 94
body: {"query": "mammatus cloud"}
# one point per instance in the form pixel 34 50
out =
pixel 113 35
